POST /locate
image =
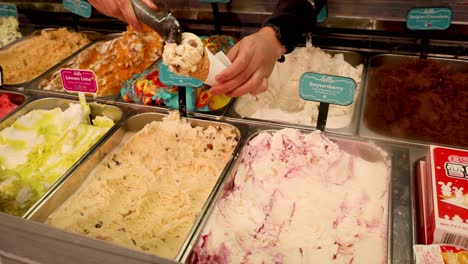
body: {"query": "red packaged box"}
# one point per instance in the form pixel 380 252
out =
pixel 442 184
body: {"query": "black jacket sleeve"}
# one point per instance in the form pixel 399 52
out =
pixel 292 18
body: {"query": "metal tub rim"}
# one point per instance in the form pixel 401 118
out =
pixel 230 175
pixel 145 116
pixel 51 103
pixel 351 129
pixel 92 36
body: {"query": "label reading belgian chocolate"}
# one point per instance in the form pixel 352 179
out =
pixel 7 10
pixel 433 18
pixel 79 81
pixel 171 79
pixel 79 7
pixel 322 15
pixel 325 88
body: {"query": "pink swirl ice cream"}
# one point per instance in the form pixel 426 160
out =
pixel 300 198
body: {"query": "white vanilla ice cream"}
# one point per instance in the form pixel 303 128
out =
pixel 281 102
pixel 184 58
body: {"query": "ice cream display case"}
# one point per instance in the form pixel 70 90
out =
pixel 16 58
pixel 31 163
pixel 134 51
pixel 281 104
pixel 271 221
pixel 419 104
pixel 218 140
pixel 252 181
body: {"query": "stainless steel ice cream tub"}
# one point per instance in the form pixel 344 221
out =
pixel 92 36
pixel 111 112
pixel 413 117
pixel 353 58
pixel 133 124
pixel 17 98
pixel 49 83
pixel 399 238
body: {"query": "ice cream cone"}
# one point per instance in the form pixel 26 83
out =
pixel 192 58
pixel 203 68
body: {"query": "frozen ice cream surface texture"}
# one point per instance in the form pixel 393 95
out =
pixel 9 30
pixel 29 58
pixel 38 148
pixel 281 102
pixel 184 58
pixel 114 61
pixel 6 105
pixel 299 198
pixel 148 194
pixel 412 98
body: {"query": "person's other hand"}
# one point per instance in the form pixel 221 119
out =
pixel 121 9
pixel 253 60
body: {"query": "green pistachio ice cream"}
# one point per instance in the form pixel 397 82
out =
pixel 39 148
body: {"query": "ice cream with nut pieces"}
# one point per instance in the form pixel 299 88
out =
pixel 148 194
pixel 189 58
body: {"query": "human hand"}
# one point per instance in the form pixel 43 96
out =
pixel 253 60
pixel 121 9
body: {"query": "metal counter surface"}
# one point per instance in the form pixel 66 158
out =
pixel 28 242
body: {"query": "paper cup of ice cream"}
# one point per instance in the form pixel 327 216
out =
pixel 192 58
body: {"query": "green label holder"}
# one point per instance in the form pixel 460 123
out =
pixel 78 7
pixel 7 10
pixel 429 18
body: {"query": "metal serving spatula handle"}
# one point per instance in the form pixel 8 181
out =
pixel 160 21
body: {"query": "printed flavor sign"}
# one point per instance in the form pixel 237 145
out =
pixel 79 80
pixel 436 18
pixel 327 88
pixel 171 79
pixel 323 14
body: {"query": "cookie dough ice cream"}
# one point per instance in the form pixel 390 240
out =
pixel 148 194
pixel 188 58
